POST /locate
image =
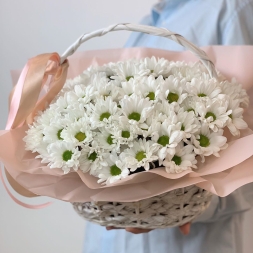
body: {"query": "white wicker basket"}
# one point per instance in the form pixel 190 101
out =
pixel 170 209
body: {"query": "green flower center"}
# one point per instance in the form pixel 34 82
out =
pixel 172 97
pixel 140 155
pixel 177 160
pixel 93 156
pixel 125 134
pixel 230 116
pixel 151 96
pixel 135 116
pixel 109 139
pixel 129 77
pixel 182 128
pixel 210 114
pixel 67 155
pixel 190 110
pixel 202 95
pixel 59 134
pixel 164 140
pixel 203 141
pixel 115 171
pixel 104 115
pixel 80 136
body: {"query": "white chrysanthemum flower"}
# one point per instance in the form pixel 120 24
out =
pixel 114 171
pixel 167 137
pixel 136 109
pixel 149 87
pixel 62 103
pixel 53 132
pixel 183 159
pixel 105 70
pixel 129 69
pixel 140 155
pixel 235 91
pixel 156 67
pixel 103 112
pixel 91 159
pixel 154 118
pixel 166 111
pixel 63 155
pixel 103 88
pixel 128 88
pixel 68 86
pixel 188 71
pixel 172 90
pixel 124 132
pixel 106 140
pixel 190 104
pixel 84 94
pixel 214 113
pixel 189 123
pixel 203 88
pixel 83 79
pixel 153 123
pixel 43 153
pixel 78 132
pixel 75 113
pixel 44 118
pixel 33 138
pixel 208 143
pixel 236 121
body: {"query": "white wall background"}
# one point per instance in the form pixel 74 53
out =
pixel 28 28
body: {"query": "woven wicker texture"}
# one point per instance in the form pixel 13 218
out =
pixel 170 209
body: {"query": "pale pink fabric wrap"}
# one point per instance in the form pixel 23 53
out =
pixel 221 175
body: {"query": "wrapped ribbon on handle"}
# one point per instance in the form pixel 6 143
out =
pixel 24 101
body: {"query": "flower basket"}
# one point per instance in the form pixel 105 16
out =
pixel 128 156
pixel 170 209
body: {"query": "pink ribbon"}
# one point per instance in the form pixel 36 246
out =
pixel 14 106
pixel 20 202
pixel 25 100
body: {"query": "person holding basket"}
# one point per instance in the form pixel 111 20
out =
pixel 219 228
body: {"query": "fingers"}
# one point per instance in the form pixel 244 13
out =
pixel 138 230
pixel 185 229
pixel 110 228
pixel 131 230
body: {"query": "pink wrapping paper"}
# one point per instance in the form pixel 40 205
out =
pixel 220 176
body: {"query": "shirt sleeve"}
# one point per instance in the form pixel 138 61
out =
pixel 135 36
pixel 238 29
pixel 239 201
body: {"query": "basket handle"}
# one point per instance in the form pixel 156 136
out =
pixel 149 30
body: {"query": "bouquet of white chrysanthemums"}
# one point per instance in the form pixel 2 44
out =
pixel 132 116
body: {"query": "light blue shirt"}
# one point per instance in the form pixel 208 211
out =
pixel 219 229
pixel 203 22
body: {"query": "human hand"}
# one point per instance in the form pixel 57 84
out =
pixel 185 229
